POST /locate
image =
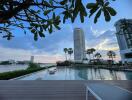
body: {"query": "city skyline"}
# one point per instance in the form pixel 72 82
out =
pixel 57 55
pixel 50 49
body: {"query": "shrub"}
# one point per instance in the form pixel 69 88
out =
pixel 13 74
pixel 33 66
pixel 65 63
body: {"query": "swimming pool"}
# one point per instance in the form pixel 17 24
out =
pixel 67 73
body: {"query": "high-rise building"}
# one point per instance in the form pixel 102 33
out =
pixel 79 45
pixel 32 59
pixel 124 37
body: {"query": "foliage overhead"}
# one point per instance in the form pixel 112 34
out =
pixel 46 15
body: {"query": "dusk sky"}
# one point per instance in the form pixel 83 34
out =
pixel 50 49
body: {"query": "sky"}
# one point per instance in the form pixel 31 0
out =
pixel 50 49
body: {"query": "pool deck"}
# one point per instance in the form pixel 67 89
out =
pixel 50 90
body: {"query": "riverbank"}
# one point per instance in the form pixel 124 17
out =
pixel 18 73
pixel 109 67
pixel 115 67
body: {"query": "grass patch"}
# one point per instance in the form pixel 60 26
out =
pixel 13 74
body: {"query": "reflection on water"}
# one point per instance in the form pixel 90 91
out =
pixel 6 68
pixel 80 74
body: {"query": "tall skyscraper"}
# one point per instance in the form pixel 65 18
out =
pixel 124 38
pixel 79 45
pixel 32 59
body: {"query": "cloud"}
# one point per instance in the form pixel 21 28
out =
pixel 107 45
pixel 17 54
pixel 103 41
pixel 96 32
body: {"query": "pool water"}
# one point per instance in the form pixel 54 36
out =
pixel 67 73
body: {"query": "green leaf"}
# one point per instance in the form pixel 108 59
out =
pixel 107 15
pixel 107 3
pixel 75 13
pixel 72 19
pixel 41 34
pixel 90 5
pixel 51 2
pixel 100 2
pixel 56 26
pixel 63 2
pixel 66 15
pixel 38 11
pixel 50 29
pixel 35 36
pixel 82 10
pixel 41 29
pixel 46 3
pixel 57 17
pixel 53 16
pixel 111 11
pixel 97 16
pixel 81 17
pixel 30 28
pixel 93 10
pixel 76 9
pixel 47 12
pixel 64 19
pixel 33 11
pixel 33 30
pixel 8 36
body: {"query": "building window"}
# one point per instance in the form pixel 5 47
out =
pixel 128 55
pixel 127 36
pixel 129 42
pixel 131 35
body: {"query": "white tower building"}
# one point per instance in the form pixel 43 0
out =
pixel 32 59
pixel 124 39
pixel 79 45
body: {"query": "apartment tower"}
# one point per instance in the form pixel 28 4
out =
pixel 124 38
pixel 79 45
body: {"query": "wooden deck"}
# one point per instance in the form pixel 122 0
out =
pixel 49 90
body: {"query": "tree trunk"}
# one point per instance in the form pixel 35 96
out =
pixel 112 59
pixel 66 56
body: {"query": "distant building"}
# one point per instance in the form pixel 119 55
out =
pixel 23 62
pixel 7 62
pixel 79 45
pixel 32 59
pixel 124 39
pixel 12 61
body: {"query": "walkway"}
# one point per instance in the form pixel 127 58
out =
pixel 49 90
